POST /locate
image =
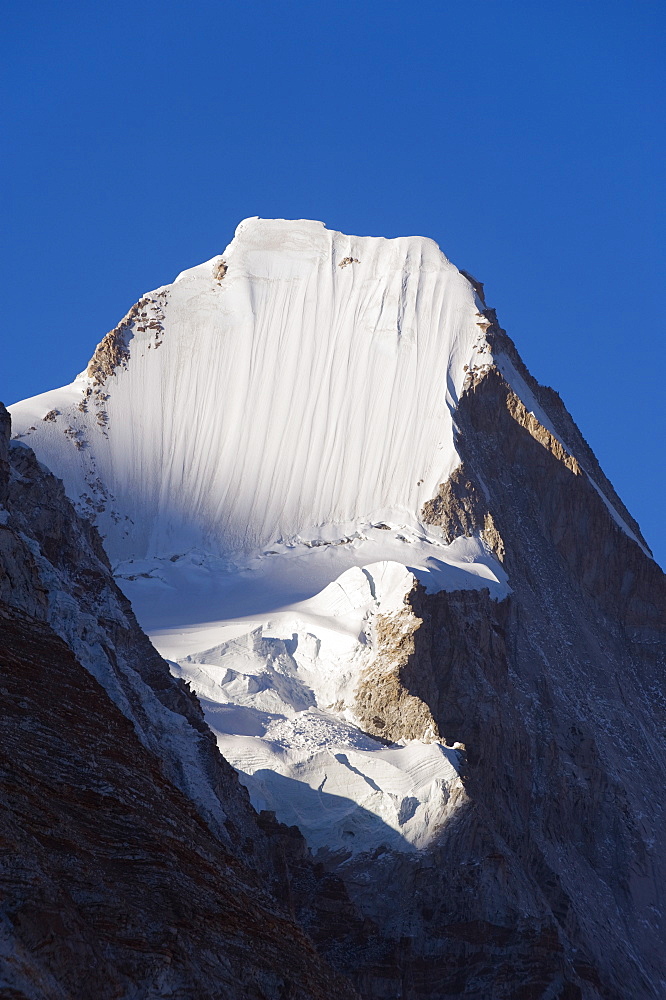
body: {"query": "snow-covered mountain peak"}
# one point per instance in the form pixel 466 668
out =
pixel 415 612
pixel 300 382
pixel 269 448
pixel 256 442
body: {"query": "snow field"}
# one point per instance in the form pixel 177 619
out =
pixel 280 699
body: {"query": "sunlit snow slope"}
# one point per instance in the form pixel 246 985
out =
pixel 309 388
pixel 268 424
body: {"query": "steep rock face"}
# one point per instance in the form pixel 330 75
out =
pixel 575 664
pixel 383 704
pixel 548 878
pixel 556 692
pixel 5 434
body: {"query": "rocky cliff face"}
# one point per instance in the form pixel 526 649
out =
pixel 569 674
pixel 549 881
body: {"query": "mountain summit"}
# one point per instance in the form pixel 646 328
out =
pixel 421 623
pixel 302 383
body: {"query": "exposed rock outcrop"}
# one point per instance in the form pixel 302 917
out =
pixel 499 341
pixel 384 705
pixel 219 269
pixel 113 351
pixel 459 507
pixel 5 434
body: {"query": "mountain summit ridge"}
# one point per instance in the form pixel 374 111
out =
pixel 350 373
pixel 321 353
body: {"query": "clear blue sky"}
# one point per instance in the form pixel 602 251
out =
pixel 527 138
